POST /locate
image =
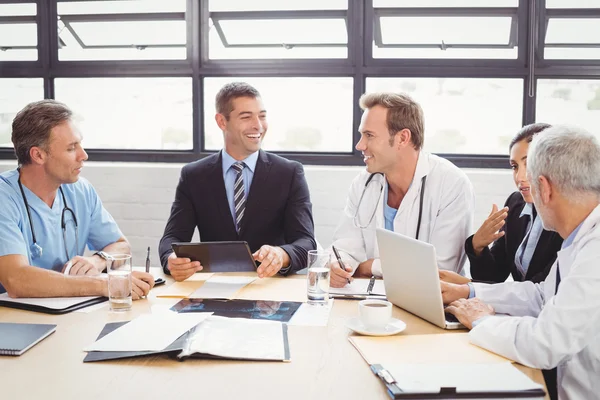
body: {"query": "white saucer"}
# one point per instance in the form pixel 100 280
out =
pixel 393 327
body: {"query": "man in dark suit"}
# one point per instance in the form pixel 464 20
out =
pixel 242 193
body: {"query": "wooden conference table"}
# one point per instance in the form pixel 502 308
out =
pixel 324 364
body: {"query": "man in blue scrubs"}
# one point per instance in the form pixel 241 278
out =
pixel 48 214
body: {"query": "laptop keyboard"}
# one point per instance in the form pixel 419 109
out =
pixel 450 318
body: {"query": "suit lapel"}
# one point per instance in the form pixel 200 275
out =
pixel 258 187
pixel 217 191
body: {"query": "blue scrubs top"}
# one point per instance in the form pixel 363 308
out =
pixel 96 227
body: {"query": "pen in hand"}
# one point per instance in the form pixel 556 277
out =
pixel 339 260
pixel 148 261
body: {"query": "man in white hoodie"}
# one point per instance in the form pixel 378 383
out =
pixel 555 323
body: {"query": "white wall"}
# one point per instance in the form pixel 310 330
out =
pixel 139 196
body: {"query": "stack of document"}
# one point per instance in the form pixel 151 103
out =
pixel 192 335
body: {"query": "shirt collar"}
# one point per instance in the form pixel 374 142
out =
pixel 527 210
pixel 228 161
pixel 569 240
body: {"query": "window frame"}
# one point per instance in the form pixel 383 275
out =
pixel 530 65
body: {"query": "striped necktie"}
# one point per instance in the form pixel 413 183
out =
pixel 239 197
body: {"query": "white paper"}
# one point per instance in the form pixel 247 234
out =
pixel 464 377
pixel 56 303
pixel 312 315
pixel 221 287
pixel 148 332
pixel 238 338
pixel 359 287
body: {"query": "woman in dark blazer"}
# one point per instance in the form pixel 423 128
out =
pixel 521 246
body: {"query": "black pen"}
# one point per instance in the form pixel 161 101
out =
pixel 339 260
pixel 371 284
pixel 148 261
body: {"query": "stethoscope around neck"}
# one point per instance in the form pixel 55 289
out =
pixel 356 218
pixel 35 248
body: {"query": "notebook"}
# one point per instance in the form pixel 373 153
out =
pixel 16 339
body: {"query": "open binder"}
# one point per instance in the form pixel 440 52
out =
pixel 215 338
pixel 400 388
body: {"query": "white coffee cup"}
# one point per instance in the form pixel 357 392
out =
pixel 375 314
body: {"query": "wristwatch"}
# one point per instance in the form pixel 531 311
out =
pixel 105 257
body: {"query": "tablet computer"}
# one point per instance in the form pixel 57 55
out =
pixel 218 256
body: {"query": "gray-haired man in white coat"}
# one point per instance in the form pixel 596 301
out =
pixel 555 323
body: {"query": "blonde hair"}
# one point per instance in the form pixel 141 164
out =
pixel 403 113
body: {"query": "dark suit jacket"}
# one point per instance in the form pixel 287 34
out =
pixel 497 263
pixel 278 208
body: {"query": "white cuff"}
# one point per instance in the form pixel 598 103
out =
pixel 376 268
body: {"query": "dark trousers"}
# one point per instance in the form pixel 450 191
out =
pixel 551 385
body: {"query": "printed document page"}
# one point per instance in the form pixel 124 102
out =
pixel 148 332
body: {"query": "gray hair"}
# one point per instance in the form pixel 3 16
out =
pixel 569 157
pixel 33 124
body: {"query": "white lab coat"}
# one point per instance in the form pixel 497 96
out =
pixel 446 220
pixel 549 330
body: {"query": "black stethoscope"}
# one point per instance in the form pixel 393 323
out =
pixel 35 248
pixel 357 218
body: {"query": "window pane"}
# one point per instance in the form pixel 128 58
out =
pixel 14 95
pixel 258 41
pixel 572 3
pixel 18 32
pixel 448 30
pixel 157 30
pixel 274 5
pixel 569 101
pixel 445 37
pixel 120 6
pixel 462 114
pixel 562 32
pixel 130 113
pixel 289 31
pixel 301 117
pixel 445 3
pixel 11 10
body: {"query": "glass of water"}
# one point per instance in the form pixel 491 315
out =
pixel 318 277
pixel 119 282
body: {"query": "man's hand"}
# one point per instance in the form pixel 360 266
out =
pixel 85 265
pixel 452 292
pixel 453 277
pixel 271 259
pixel 141 283
pixel 365 269
pixel 182 268
pixel 339 277
pixel 469 311
pixel 489 230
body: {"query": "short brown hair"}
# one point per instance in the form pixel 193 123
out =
pixel 403 113
pixel 33 124
pixel 231 91
pixel 527 133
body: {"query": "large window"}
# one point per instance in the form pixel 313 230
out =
pixel 576 102
pixel 130 113
pixel 142 75
pixel 14 95
pixel 462 114
pixel 301 117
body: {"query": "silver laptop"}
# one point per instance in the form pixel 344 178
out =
pixel 411 278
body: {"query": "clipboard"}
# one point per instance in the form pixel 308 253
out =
pixel 395 390
pixel 56 306
pixel 232 256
